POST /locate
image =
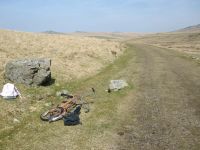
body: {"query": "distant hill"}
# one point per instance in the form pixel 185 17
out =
pixel 80 32
pixel 52 32
pixel 195 28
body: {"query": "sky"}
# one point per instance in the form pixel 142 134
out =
pixel 98 15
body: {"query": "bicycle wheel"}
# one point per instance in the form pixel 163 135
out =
pixel 52 115
pixel 45 116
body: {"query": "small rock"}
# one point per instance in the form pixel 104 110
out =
pixel 193 57
pixel 120 133
pixel 16 120
pixel 117 84
pixel 47 104
pixel 59 93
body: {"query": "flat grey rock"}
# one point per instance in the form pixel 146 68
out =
pixel 117 84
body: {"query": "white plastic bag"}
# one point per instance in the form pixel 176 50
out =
pixel 9 91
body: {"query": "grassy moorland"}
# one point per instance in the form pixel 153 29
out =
pixel 73 57
pixel 98 126
pixel 159 109
pixel 187 42
pixel 74 60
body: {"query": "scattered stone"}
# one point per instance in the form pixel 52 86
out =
pixel 120 133
pixel 16 120
pixel 47 104
pixel 63 92
pixel 193 57
pixel 29 71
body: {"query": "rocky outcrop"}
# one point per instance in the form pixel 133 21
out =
pixel 29 71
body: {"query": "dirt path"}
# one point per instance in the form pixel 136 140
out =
pixel 165 104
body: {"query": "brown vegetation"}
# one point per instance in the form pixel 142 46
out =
pixel 73 56
pixel 188 42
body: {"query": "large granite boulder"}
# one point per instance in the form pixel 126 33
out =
pixel 29 71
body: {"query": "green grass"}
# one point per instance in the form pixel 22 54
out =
pixel 104 115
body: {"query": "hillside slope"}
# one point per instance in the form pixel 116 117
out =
pixel 187 42
pixel 195 28
pixel 72 56
pixel 159 110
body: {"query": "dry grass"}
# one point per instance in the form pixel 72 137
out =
pixel 102 126
pixel 188 42
pixel 99 125
pixel 72 56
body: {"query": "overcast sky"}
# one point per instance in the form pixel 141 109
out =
pixel 98 15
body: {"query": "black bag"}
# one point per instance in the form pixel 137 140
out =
pixel 73 117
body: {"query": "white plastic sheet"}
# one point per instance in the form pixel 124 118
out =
pixel 10 91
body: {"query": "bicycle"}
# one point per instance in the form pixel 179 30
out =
pixel 73 104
